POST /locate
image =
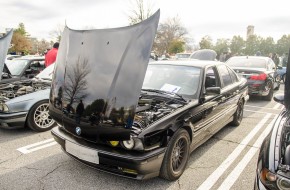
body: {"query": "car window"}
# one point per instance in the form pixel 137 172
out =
pixel 234 76
pixel 247 62
pixel 36 66
pixel 225 75
pixel 211 78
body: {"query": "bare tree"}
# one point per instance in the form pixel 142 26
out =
pixel 76 82
pixel 57 32
pixel 139 11
pixel 167 32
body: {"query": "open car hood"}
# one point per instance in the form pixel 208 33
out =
pixel 287 84
pixel 4 46
pixel 105 69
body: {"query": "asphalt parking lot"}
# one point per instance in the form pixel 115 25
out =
pixel 31 160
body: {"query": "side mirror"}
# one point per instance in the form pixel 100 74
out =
pixel 279 98
pixel 213 91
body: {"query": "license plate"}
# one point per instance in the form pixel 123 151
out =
pixel 82 153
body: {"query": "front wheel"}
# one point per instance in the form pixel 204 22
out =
pixel 176 156
pixel 38 118
pixel 238 115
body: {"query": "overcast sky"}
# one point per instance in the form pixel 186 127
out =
pixel 216 18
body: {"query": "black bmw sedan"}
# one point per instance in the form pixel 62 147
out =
pixel 259 72
pixel 119 114
pixel 273 168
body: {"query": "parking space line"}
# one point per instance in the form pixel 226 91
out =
pixel 37 146
pixel 275 107
pixel 234 175
pixel 212 179
pixel 256 111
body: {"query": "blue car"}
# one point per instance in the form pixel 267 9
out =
pixel 281 71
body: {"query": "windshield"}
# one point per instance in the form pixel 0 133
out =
pixel 16 66
pixel 247 62
pixel 46 73
pixel 183 80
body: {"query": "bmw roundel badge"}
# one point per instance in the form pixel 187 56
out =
pixel 78 130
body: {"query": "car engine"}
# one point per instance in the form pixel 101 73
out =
pixel 151 109
pixel 19 88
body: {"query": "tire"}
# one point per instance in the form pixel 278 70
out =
pixel 38 118
pixel 176 156
pixel 269 97
pixel 284 78
pixel 238 115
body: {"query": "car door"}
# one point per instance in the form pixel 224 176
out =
pixel 229 91
pixel 210 109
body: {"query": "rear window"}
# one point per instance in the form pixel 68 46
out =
pixel 247 62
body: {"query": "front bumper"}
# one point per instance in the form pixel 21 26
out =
pixel 131 164
pixel 13 120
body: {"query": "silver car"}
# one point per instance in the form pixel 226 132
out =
pixel 25 103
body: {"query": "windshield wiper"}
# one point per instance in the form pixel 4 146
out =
pixel 164 92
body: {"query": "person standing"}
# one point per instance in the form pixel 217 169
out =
pixel 50 56
pixel 275 58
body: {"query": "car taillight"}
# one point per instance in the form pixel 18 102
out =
pixel 261 76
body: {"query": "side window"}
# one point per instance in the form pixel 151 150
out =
pixel 225 75
pixel 211 78
pixel 234 77
pixel 36 67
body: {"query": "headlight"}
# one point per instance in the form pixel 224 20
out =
pixel 273 181
pixel 129 144
pixel 3 107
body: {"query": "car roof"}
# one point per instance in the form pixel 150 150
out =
pixel 192 63
pixel 251 57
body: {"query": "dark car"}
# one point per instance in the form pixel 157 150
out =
pixel 22 68
pixel 273 167
pixel 259 72
pixel 25 103
pixel 108 122
pixel 204 54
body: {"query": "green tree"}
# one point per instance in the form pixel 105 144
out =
pixel 267 46
pixel 21 30
pixel 283 44
pixel 222 45
pixel 206 43
pixel 237 45
pixel 20 42
pixel 252 45
pixel 176 46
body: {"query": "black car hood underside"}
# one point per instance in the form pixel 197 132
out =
pixel 105 69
